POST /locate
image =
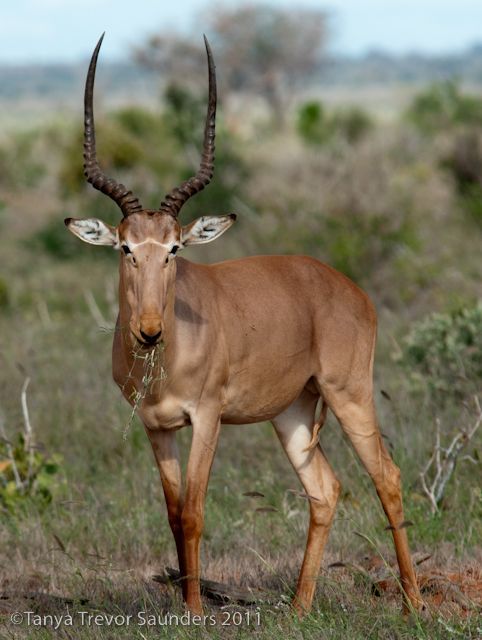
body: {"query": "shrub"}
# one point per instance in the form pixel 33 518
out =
pixel 471 201
pixel 311 125
pixel 25 476
pixel 184 118
pixel 316 126
pixel 184 114
pixel 463 159
pixel 19 166
pixel 137 121
pixel 4 295
pixel 117 147
pixel 443 353
pixel 442 106
pixel 55 240
pixel 357 243
pixel 144 150
pixel 366 210
pixel 353 123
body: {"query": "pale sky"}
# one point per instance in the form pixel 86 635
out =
pixel 66 30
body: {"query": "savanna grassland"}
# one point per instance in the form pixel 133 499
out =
pixel 396 205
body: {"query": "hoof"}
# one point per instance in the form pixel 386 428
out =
pixel 195 608
pixel 299 608
pixel 413 604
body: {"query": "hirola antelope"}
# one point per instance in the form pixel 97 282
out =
pixel 243 341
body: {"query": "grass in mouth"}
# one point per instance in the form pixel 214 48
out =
pixel 153 373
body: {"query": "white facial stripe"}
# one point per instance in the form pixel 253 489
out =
pixel 133 245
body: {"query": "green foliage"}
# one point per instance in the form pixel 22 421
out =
pixel 311 123
pixel 366 241
pixel 443 105
pixel 352 123
pixel 316 126
pixel 444 109
pixel 138 122
pixel 55 240
pixel 184 114
pixel 118 147
pixel 231 172
pixel 357 242
pixel 27 476
pixel 151 149
pixel 443 353
pixel 4 294
pixel 471 201
pixel 464 161
pixel 354 244
pixel 20 166
pixel 184 118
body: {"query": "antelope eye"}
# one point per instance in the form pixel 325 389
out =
pixel 126 249
pixel 172 252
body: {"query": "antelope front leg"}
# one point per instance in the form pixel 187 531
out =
pixel 166 453
pixel 203 447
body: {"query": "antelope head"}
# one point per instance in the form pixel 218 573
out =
pixel 148 240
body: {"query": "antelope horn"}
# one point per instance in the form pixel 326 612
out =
pixel 174 200
pixel 118 192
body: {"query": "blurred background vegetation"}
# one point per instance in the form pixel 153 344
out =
pixel 373 165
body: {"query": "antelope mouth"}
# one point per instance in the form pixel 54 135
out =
pixel 145 344
pixel 146 340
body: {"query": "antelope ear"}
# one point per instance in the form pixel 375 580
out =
pixel 206 229
pixel 93 231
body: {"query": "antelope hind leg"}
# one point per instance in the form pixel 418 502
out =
pixel 356 415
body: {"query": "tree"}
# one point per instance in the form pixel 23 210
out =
pixel 177 58
pixel 258 48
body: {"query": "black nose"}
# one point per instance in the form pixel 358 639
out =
pixel 151 339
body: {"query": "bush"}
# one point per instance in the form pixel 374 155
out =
pixel 362 209
pixel 117 147
pixel 353 123
pixel 184 114
pixel 4 295
pixel 443 106
pixel 444 109
pixel 145 150
pixel 316 126
pixel 464 161
pixel 443 353
pixel 27 477
pixel 55 240
pixel 357 243
pixel 471 201
pixel 312 125
pixel 137 121
pixel 19 166
pixel 184 118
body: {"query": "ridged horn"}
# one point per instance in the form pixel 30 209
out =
pixel 174 200
pixel 118 192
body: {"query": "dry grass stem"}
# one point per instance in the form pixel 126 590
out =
pixel 444 460
pixel 153 372
pixel 29 442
